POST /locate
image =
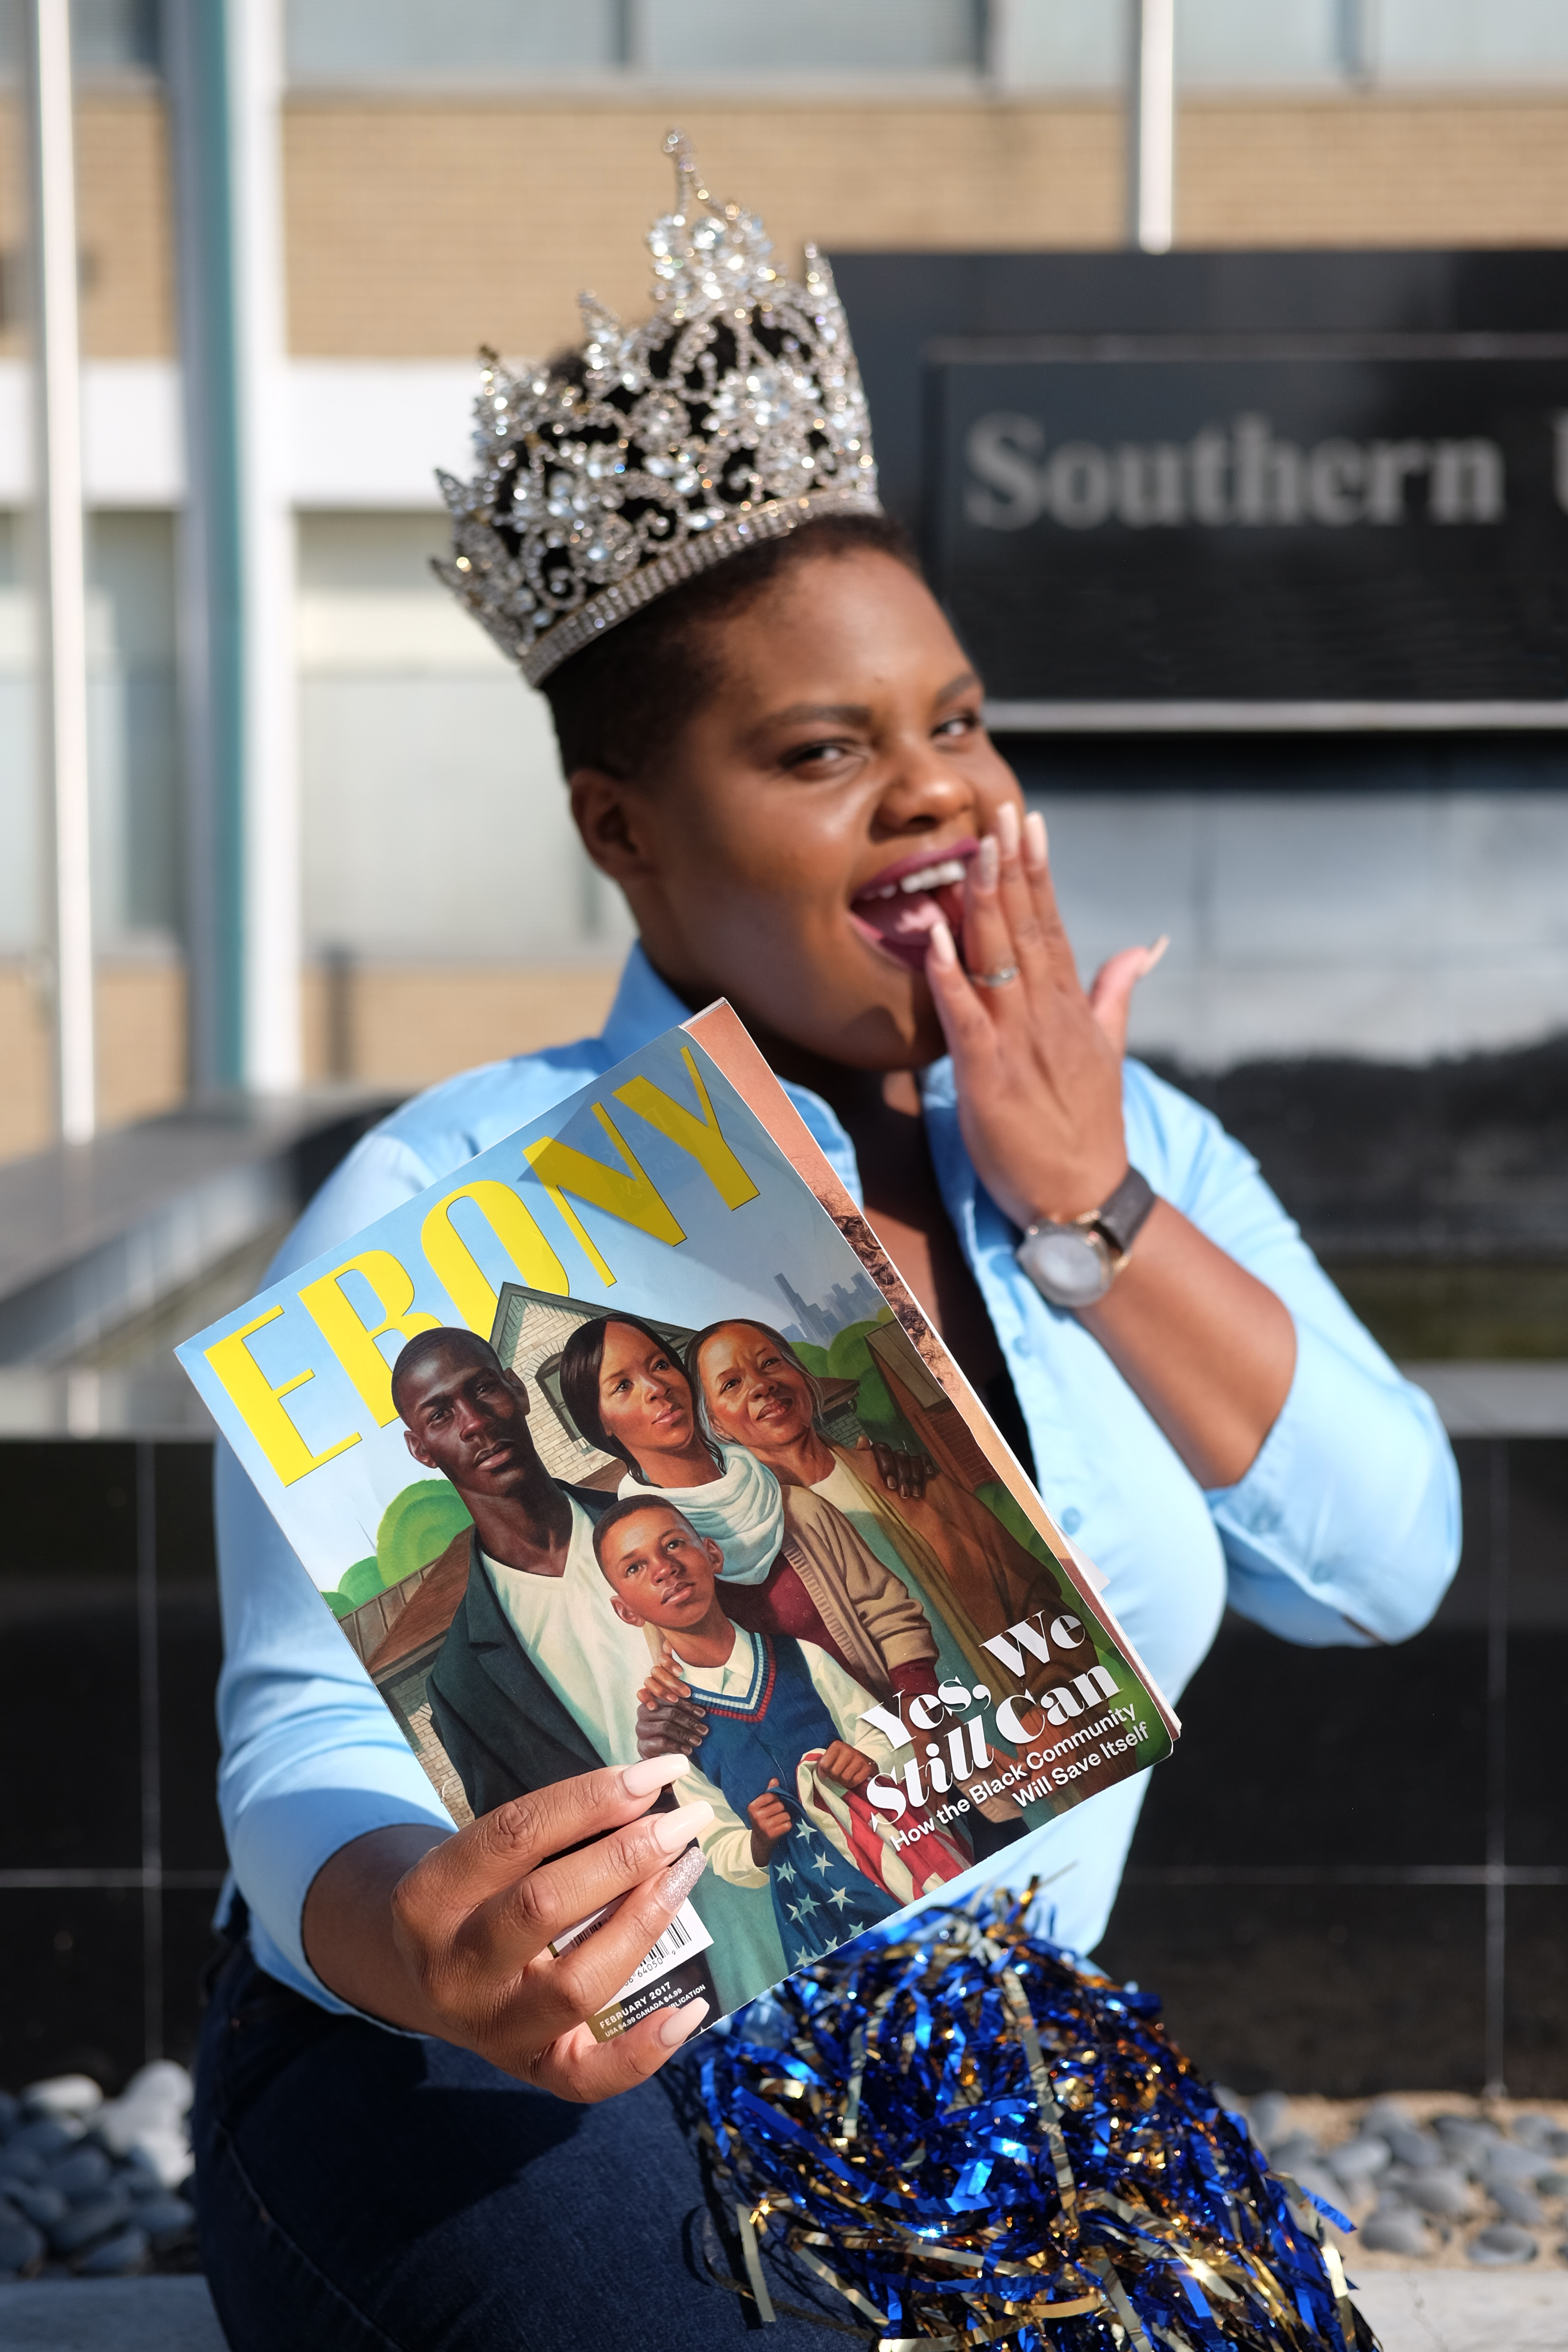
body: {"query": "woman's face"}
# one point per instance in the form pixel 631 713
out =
pixel 794 846
pixel 645 1401
pixel 756 1393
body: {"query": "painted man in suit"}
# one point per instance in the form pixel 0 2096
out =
pixel 537 1679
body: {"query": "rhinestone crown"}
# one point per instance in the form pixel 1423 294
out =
pixel 608 476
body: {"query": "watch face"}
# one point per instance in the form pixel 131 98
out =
pixel 1066 1267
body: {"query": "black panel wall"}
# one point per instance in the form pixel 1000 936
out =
pixel 110 1852
pixel 1388 1909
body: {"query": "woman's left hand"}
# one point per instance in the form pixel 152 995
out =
pixel 1037 1061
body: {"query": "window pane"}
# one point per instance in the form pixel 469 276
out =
pixel 111 36
pixel 1488 40
pixel 402 701
pixel 396 40
pixel 1236 41
pixel 107 36
pixel 1068 44
pixel 809 36
pixel 21 914
pixel 134 740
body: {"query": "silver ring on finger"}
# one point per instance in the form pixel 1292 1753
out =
pixel 998 978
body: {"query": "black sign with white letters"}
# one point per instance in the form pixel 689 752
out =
pixel 1365 526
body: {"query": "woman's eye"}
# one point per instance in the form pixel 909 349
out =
pixel 963 722
pixel 816 755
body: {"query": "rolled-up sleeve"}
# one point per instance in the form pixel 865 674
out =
pixel 1346 1527
pixel 311 1755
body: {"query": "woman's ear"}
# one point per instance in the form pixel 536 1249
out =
pixel 608 815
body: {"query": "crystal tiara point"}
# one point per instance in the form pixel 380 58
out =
pixel 615 472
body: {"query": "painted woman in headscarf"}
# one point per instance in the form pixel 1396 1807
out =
pixel 794 1565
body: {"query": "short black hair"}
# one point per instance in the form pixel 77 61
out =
pixel 626 1508
pixel 448 1338
pixel 636 685
pixel 581 1360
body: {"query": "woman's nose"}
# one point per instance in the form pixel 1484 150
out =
pixel 921 792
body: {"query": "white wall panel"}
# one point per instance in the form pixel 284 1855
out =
pixel 1399 926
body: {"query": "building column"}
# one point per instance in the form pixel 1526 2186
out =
pixel 1152 126
pixel 57 489
pixel 227 75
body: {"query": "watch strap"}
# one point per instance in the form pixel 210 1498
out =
pixel 1123 1216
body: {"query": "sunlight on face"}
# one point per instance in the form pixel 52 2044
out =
pixel 756 1392
pixel 645 1399
pixel 842 742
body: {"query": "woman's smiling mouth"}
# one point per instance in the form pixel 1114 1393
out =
pixel 898 908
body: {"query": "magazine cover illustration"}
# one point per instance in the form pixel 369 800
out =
pixel 652 1333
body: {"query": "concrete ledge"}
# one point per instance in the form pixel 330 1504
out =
pixel 91 1234
pixel 1410 2311
pixel 1497 1400
pixel 1463 2311
pixel 153 2315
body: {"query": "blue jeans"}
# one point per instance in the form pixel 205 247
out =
pixel 361 2190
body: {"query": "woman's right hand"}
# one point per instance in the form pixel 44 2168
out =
pixel 451 1935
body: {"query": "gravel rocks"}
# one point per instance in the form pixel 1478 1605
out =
pixel 1358 2160
pixel 40 2203
pixel 87 2184
pixel 1396 2230
pixel 115 2256
pixel 83 2173
pixel 1501 2245
pixel 1436 2188
pixel 1426 2184
pixel 88 2222
pixel 21 2245
pixel 65 2097
pixel 1517 2201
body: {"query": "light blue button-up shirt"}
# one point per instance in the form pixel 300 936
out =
pixel 1345 1529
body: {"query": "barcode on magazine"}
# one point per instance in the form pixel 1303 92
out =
pixel 682 1940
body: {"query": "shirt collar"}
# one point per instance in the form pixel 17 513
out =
pixel 646 1006
pixel 737 1675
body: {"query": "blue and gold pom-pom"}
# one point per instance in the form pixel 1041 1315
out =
pixel 975 2142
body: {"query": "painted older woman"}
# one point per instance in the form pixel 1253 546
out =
pixel 974 1576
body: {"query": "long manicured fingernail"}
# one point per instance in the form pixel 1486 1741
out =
pixel 1035 848
pixel 1007 829
pixel 672 1831
pixel 677 1880
pixel 987 860
pixel 679 2024
pixel 652 1774
pixel 1151 955
pixel 939 947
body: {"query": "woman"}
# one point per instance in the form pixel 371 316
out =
pixel 973 1576
pixel 776 750
pixel 792 1565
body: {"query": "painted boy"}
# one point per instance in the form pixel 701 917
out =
pixel 784 1758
